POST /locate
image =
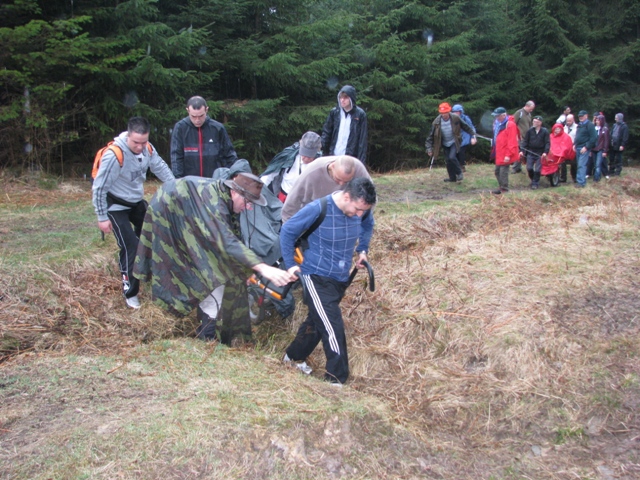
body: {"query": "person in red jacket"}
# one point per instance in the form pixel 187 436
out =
pixel 505 147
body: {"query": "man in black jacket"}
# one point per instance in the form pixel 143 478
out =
pixel 534 147
pixel 345 130
pixel 199 144
pixel 619 139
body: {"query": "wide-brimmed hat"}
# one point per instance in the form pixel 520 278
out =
pixel 444 107
pixel 249 186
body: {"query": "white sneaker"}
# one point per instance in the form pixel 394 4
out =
pixel 133 302
pixel 302 366
pixel 607 177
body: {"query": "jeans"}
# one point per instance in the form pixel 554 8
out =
pixel 453 167
pixel 601 167
pixel 583 160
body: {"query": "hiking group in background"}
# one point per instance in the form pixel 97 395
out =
pixel 212 222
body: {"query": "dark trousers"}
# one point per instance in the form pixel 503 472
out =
pixel 462 156
pixel 573 169
pixel 324 322
pixel 616 161
pixel 127 225
pixel 502 175
pixel 453 166
pixel 534 165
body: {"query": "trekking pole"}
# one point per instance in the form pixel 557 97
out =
pixel 432 159
pixel 485 138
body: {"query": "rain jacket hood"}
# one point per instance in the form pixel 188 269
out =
pixel 351 91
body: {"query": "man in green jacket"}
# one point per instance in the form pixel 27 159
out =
pixel 190 250
pixel 446 132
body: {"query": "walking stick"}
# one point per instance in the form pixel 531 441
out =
pixel 432 159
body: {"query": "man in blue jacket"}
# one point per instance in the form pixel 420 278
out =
pixel 466 137
pixel 199 144
pixel 345 130
pixel 347 226
pixel 584 142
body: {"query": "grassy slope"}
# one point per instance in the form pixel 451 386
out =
pixel 501 342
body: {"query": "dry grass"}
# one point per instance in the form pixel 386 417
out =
pixel 502 331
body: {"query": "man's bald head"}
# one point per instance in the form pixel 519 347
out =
pixel 343 169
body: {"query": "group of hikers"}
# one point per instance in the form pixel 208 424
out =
pixel 212 221
pixel 584 147
pixel 193 242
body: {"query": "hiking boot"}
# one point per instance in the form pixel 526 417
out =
pixel 448 180
pixel 302 366
pixel 459 178
pixel 534 186
pixel 133 302
pixel 577 185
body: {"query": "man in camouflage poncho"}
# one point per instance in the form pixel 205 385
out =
pixel 190 245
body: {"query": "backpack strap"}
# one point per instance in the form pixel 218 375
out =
pixel 314 226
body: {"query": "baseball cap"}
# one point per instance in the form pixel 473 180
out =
pixel 444 107
pixel 499 111
pixel 582 113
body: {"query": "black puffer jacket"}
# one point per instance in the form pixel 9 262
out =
pixel 358 135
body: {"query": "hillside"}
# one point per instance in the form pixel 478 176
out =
pixel 501 342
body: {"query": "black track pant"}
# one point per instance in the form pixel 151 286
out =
pixel 127 225
pixel 324 322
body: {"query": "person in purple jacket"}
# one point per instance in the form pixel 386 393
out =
pixel 347 226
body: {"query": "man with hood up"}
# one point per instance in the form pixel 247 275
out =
pixel 345 130
pixel 118 195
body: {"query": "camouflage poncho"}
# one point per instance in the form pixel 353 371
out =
pixel 190 245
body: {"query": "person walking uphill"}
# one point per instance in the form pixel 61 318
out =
pixel 534 147
pixel 347 226
pixel 191 252
pixel 118 195
pixel 584 142
pixel 445 132
pixel 345 130
pixel 505 145
pixel 199 144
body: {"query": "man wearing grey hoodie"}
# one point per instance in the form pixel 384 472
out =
pixel 345 130
pixel 118 195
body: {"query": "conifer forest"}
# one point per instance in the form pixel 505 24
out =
pixel 73 71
